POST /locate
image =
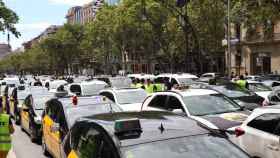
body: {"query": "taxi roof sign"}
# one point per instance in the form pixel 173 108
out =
pixel 127 126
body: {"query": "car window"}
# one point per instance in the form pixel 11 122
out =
pixel 173 103
pixel 93 144
pixel 209 104
pixel 207 76
pixel 76 89
pixel 131 96
pixel 158 101
pixel 202 146
pixel 108 95
pixel 267 123
pixel 173 81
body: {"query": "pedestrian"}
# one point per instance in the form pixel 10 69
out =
pixel 232 76
pixel 149 87
pixel 242 83
pixel 6 129
pixel 133 84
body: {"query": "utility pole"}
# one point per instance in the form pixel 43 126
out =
pixel 228 38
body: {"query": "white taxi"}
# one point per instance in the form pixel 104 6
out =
pixel 259 135
pixel 209 107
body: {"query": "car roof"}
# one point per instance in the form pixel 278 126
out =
pixel 84 101
pixel 173 126
pixel 122 89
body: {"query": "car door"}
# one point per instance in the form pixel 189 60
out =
pixel 272 144
pixel 259 138
pixel 50 122
pixel 25 112
pixel 94 143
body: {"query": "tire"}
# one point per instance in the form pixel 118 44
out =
pixel 44 148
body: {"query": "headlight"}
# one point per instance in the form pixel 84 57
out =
pixel 38 120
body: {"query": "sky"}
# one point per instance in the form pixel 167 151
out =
pixel 36 15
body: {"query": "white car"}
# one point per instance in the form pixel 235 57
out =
pixel 259 135
pixel 53 85
pixel 209 107
pixel 207 76
pixel 259 88
pixel 129 99
pixel 142 76
pixel 86 88
pixel 179 79
pixel 252 78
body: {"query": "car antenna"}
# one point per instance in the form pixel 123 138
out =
pixel 161 128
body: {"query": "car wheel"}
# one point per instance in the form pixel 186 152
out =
pixel 44 148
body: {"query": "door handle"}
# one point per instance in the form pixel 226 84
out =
pixel 273 147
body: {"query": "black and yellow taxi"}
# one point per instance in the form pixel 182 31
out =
pixel 61 113
pixel 152 134
pixel 15 102
pixel 31 113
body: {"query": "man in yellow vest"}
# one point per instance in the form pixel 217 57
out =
pixel 6 129
pixel 149 87
pixel 242 83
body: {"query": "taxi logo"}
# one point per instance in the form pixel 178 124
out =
pixel 238 117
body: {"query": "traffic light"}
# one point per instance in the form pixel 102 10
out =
pixel 181 3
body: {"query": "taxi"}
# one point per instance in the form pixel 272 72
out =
pixel 15 102
pixel 61 113
pixel 31 113
pixel 145 134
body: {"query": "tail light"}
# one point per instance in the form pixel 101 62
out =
pixel 75 100
pixel 265 103
pixel 239 132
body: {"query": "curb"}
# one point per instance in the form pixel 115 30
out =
pixel 11 154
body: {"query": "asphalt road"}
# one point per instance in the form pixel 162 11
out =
pixel 23 147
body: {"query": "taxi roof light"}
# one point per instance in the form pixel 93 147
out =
pixel 127 126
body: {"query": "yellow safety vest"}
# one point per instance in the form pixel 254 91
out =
pixel 149 88
pixel 139 85
pixel 241 84
pixel 159 87
pixel 5 137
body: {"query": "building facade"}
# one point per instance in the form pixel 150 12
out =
pixel 49 31
pixel 5 50
pixel 86 13
pixel 257 52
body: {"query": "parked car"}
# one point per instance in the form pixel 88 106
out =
pixel 208 76
pixel 145 134
pixel 86 88
pixel 259 134
pixel 207 106
pixel 259 88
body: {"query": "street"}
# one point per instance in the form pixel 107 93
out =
pixel 23 147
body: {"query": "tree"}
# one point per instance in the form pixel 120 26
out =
pixel 8 19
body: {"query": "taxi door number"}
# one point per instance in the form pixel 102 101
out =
pixel 52 138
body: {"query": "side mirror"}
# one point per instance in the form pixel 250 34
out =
pixel 178 111
pixel 55 128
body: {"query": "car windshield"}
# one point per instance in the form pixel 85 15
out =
pixel 202 146
pixel 131 96
pixel 259 87
pixel 232 91
pixel 209 104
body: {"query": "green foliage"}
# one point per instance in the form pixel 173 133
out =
pixel 155 29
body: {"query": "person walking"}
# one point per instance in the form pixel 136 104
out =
pixel 6 129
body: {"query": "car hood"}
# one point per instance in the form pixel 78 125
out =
pixel 227 120
pixel 131 107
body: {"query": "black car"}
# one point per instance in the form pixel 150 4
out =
pixel 145 134
pixel 61 113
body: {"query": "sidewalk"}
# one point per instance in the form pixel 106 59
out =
pixel 11 154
